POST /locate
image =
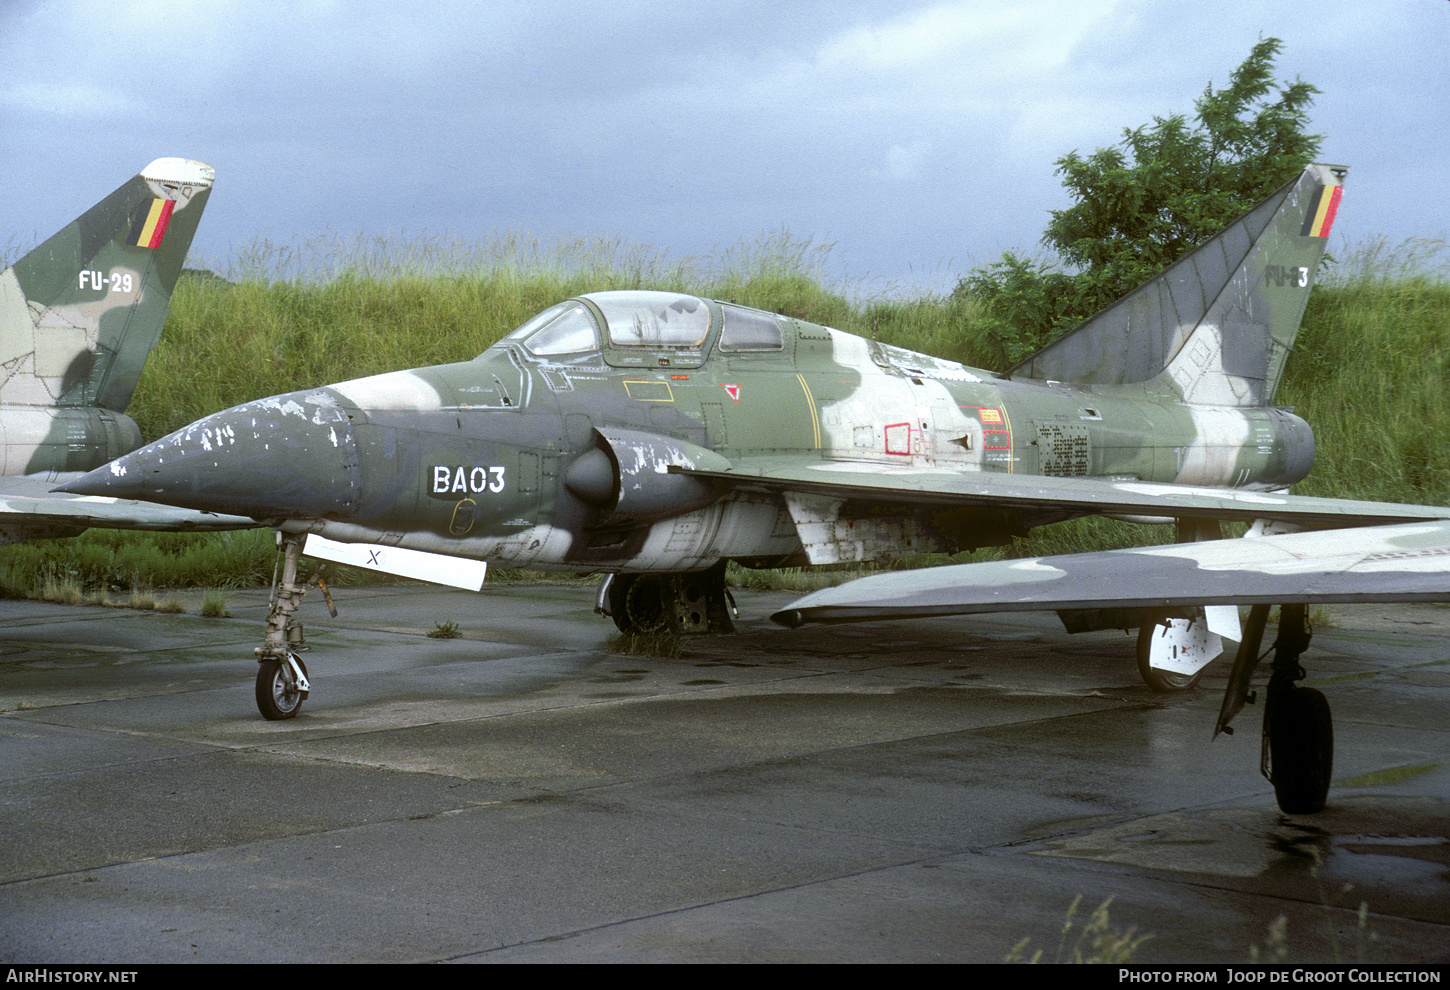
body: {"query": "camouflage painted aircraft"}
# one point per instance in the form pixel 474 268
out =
pixel 656 436
pixel 79 315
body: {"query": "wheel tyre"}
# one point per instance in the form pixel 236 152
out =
pixel 1301 751
pixel 274 701
pixel 619 601
pixel 1161 681
pixel 645 605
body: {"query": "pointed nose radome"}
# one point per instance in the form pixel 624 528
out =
pixel 290 456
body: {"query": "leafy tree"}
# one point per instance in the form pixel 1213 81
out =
pixel 1144 203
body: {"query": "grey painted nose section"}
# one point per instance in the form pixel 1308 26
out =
pixel 290 456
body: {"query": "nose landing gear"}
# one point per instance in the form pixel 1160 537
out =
pixel 282 683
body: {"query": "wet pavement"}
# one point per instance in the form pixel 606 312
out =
pixel 927 791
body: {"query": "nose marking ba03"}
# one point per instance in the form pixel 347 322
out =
pixel 449 480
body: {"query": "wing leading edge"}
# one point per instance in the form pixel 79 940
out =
pixel 1402 563
pixel 1050 494
pixel 29 510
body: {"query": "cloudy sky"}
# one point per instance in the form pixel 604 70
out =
pixel 918 137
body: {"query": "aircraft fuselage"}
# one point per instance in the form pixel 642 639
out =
pixel 563 460
pixel 35 439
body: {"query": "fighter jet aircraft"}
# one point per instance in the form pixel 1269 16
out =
pixel 78 317
pixel 657 435
pixel 1403 563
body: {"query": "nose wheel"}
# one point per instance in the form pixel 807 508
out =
pixel 282 686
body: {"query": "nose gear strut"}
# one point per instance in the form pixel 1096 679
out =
pixel 282 683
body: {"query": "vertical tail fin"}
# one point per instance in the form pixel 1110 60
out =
pixel 80 314
pixel 1216 327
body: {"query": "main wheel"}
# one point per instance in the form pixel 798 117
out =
pixel 1301 750
pixel 274 699
pixel 646 607
pixel 619 600
pixel 1162 681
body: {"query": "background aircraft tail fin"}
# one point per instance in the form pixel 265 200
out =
pixel 80 314
pixel 1216 327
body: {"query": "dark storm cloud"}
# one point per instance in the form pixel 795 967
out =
pixel 918 136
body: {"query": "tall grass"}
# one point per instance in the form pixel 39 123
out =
pixel 105 560
pixel 1369 372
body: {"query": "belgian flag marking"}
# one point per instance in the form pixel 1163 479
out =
pixel 1321 212
pixel 150 226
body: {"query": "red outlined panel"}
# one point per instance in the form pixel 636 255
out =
pixel 898 439
pixel 996 432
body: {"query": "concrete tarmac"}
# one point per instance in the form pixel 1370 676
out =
pixel 892 792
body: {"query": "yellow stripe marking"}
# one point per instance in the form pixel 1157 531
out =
pixel 150 228
pixel 1011 459
pixel 811 402
pixel 1325 199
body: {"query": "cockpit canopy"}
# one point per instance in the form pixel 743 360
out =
pixel 656 320
pixel 566 328
pixel 646 327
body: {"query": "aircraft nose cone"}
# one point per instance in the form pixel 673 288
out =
pixel 290 456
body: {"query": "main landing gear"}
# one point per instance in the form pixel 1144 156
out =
pixel 1297 750
pixel 1158 679
pixel 684 604
pixel 1176 647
